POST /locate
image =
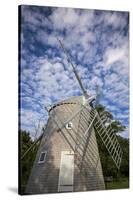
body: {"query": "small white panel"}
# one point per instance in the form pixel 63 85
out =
pixel 69 125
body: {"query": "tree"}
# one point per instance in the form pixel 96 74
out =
pixel 125 158
pixel 27 162
pixel 117 126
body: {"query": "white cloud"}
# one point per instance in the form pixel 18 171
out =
pixel 115 19
pixel 63 18
pixel 114 55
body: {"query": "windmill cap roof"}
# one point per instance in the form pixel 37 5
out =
pixel 73 100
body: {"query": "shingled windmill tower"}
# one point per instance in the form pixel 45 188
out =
pixel 68 157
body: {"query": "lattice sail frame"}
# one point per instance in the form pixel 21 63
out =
pixel 79 145
pixel 109 138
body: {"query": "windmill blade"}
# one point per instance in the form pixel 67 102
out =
pixel 109 139
pixel 31 147
pixel 74 69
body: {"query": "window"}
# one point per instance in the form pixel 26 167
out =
pixel 65 183
pixel 69 125
pixel 42 157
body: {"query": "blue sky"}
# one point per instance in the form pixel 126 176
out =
pixel 98 43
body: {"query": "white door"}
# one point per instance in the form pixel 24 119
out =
pixel 66 171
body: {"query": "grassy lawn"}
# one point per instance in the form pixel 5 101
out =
pixel 123 183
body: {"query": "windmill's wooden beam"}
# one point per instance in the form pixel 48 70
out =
pixel 28 150
pixel 112 144
pixel 74 69
pixel 88 127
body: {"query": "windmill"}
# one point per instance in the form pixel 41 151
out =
pixel 68 157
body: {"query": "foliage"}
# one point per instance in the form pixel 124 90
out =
pixel 117 126
pixel 100 108
pixel 27 162
pixel 125 158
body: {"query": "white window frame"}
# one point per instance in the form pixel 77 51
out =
pixel 44 157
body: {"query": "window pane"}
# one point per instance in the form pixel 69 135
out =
pixel 42 157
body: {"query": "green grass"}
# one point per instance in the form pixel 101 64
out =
pixel 121 184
